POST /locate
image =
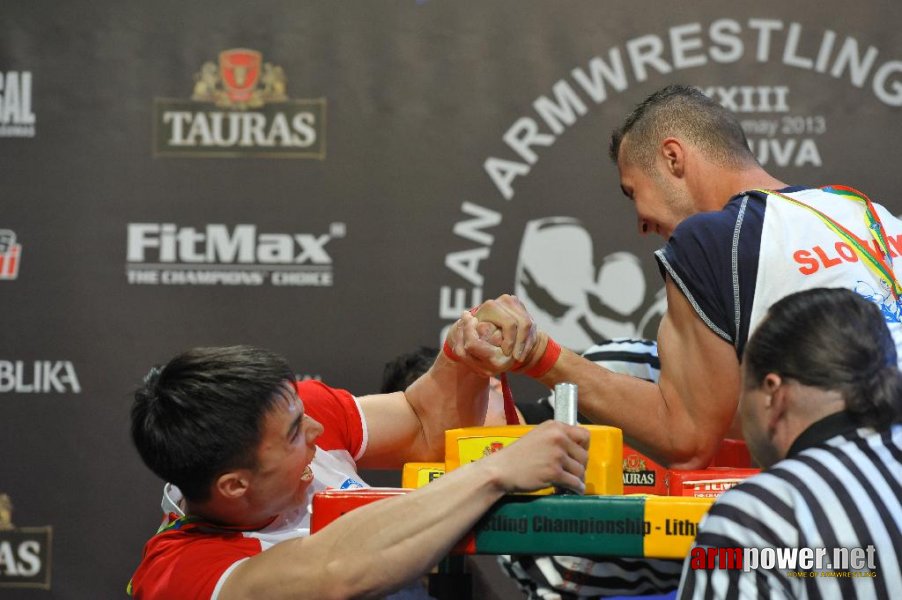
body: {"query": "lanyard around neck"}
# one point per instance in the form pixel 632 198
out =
pixel 876 257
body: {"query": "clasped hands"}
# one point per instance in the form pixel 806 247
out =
pixel 497 336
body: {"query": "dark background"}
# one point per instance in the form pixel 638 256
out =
pixel 418 96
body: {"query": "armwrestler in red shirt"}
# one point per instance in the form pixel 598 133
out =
pixel 247 446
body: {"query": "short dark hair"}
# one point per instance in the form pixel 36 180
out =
pixel 832 339
pixel 682 111
pixel 201 414
pixel 405 368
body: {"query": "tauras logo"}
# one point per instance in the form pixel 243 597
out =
pixel 38 377
pixel 240 107
pixel 17 119
pixel 214 254
pixel 24 552
pixel 635 471
pixel 639 478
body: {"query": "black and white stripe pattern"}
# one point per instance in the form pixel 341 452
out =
pixel 629 356
pixel 843 493
pixel 572 577
pixel 636 357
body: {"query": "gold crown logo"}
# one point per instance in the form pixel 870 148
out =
pixel 6 512
pixel 633 463
pixel 241 80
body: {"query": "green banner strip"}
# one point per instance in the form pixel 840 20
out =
pixel 564 524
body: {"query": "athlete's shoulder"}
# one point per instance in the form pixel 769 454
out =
pixel 316 388
pixel 337 410
pixel 721 223
pixel 186 559
pixel 319 397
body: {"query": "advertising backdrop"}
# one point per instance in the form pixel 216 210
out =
pixel 337 181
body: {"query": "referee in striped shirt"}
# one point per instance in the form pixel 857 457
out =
pixel 821 410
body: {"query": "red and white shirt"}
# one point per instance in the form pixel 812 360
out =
pixel 190 559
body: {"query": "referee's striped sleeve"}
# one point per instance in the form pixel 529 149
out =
pixel 844 493
pixel 629 356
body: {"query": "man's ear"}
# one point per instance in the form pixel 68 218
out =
pixel 776 402
pixel 233 484
pixel 674 155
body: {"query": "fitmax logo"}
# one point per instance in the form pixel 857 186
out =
pixel 165 253
pixel 215 244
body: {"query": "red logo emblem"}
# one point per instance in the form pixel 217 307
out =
pixel 10 253
pixel 492 448
pixel 241 81
pixel 240 71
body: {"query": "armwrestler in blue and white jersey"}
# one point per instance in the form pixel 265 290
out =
pixel 731 265
pixel 685 163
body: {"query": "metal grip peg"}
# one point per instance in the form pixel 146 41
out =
pixel 565 403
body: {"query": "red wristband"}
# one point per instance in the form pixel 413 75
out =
pixel 549 357
pixel 446 348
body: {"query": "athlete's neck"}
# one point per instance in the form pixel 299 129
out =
pixel 731 182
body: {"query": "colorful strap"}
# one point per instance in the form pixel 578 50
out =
pixel 876 256
pixel 510 410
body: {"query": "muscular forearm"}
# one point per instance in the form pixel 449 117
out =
pixel 374 549
pixel 680 421
pixel 410 426
pixel 661 429
pixel 421 531
pixel 448 396
pixel 378 547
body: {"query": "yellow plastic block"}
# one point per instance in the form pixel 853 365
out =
pixel 416 475
pixel 604 471
pixel 672 523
